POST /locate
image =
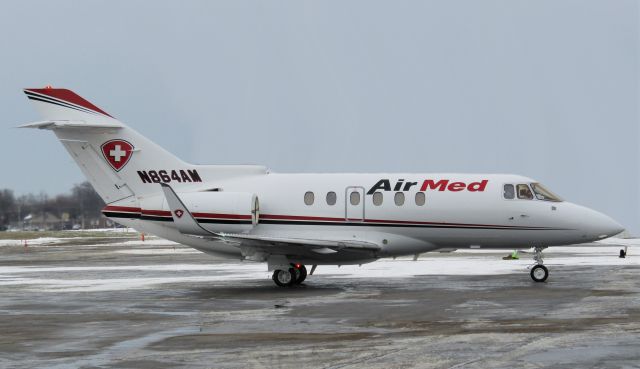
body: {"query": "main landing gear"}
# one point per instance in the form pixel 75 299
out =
pixel 539 272
pixel 294 275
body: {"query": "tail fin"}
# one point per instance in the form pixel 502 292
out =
pixel 118 161
pixel 63 104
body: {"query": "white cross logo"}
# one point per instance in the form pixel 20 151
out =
pixel 117 153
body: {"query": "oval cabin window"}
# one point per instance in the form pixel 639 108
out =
pixel 377 198
pixel 420 198
pixel 331 198
pixel 354 198
pixel 398 198
pixel 308 198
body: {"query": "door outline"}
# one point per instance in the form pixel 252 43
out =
pixel 355 209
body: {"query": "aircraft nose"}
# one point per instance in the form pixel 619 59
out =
pixel 601 226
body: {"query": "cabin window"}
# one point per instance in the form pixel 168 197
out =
pixel 331 198
pixel 543 194
pixel 377 198
pixel 524 192
pixel 398 198
pixel 509 192
pixel 308 198
pixel 354 198
pixel 420 198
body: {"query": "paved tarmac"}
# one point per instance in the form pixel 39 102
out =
pixel 114 304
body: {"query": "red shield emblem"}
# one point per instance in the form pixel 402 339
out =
pixel 117 153
pixel 178 213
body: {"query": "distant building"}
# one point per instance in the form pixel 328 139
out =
pixel 47 222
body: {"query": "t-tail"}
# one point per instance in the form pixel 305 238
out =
pixel 119 162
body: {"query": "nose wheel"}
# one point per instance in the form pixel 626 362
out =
pixel 286 278
pixel 539 272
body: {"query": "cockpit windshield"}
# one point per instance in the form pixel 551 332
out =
pixel 544 194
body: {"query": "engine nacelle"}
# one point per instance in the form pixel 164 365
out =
pixel 231 212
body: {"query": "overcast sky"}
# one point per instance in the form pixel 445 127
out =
pixel 546 89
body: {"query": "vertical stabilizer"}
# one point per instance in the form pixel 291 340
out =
pixel 118 161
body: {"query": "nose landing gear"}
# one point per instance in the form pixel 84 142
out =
pixel 539 272
pixel 294 275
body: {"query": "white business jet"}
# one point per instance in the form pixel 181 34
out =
pixel 293 220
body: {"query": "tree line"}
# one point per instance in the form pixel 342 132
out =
pixel 79 208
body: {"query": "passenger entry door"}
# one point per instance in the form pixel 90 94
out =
pixel 354 203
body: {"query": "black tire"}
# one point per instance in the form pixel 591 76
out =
pixel 301 273
pixel 539 273
pixel 281 280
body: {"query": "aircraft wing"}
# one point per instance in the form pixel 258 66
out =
pixel 318 246
pixel 188 225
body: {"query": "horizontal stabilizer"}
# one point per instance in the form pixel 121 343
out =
pixel 52 124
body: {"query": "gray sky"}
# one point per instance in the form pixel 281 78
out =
pixel 546 89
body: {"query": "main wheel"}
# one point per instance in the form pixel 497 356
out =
pixel 284 278
pixel 539 273
pixel 301 273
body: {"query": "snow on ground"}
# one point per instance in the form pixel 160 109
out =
pixel 151 267
pixel 37 241
pixel 147 242
pixel 112 284
pixel 115 230
pixel 165 251
pixel 109 278
pixel 619 241
pixel 87 279
pixel 54 240
pixel 461 262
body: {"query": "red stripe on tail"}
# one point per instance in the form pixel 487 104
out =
pixel 68 96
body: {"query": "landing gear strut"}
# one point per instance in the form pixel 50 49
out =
pixel 539 272
pixel 294 275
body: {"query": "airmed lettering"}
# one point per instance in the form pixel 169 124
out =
pixel 166 176
pixel 429 184
pixel 444 184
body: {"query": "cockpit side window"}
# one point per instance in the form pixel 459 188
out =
pixel 524 192
pixel 543 194
pixel 509 192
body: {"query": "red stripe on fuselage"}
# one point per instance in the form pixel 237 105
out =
pixel 165 213
pixel 221 216
pixel 303 218
pixel 162 213
pixel 127 209
pixel 440 223
pixel 300 217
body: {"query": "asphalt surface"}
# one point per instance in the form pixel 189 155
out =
pixel 115 305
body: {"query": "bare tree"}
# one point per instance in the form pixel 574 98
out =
pixel 82 205
pixel 7 207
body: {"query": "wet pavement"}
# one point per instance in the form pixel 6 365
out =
pixel 148 305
